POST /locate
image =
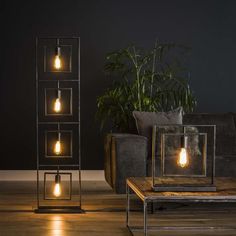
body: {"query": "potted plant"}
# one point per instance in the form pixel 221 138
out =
pixel 144 80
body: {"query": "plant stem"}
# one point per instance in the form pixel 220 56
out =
pixel 153 69
pixel 137 68
pixel 138 80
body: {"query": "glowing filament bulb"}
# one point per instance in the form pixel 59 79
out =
pixel 57 147
pixel 57 186
pixel 183 158
pixel 57 105
pixel 57 62
pixel 57 190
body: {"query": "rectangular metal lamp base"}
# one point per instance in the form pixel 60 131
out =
pixel 172 188
pixel 58 209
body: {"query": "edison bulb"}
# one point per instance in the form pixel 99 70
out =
pixel 57 105
pixel 183 158
pixel 57 62
pixel 57 190
pixel 57 147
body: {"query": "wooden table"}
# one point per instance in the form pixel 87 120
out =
pixel 226 192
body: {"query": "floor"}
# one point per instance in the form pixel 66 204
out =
pixel 105 215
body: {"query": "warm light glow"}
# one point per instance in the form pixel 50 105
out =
pixel 57 147
pixel 57 62
pixel 57 105
pixel 56 225
pixel 183 158
pixel 57 190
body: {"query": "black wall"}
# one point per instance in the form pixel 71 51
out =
pixel 208 26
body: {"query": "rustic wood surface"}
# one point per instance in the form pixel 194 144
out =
pixel 226 191
pixel 105 215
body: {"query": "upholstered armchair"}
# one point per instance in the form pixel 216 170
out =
pixel 128 155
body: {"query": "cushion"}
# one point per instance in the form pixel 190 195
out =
pixel 224 121
pixel 225 129
pixel 146 120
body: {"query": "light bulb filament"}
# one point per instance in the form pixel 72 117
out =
pixel 57 62
pixel 57 148
pixel 183 158
pixel 57 105
pixel 57 186
pixel 57 190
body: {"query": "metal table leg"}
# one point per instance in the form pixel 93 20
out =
pixel 127 205
pixel 145 230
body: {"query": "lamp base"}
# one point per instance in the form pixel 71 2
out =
pixel 59 209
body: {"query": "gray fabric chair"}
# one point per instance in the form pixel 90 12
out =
pixel 127 155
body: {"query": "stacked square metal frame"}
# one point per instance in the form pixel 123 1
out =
pixel 49 168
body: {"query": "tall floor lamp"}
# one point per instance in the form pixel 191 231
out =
pixel 58 125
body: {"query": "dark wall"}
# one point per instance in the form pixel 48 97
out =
pixel 208 26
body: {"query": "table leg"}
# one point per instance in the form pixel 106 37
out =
pixel 152 208
pixel 145 232
pixel 127 205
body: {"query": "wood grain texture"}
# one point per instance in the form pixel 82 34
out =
pixel 226 191
pixel 105 215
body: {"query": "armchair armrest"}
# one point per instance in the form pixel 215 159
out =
pixel 125 156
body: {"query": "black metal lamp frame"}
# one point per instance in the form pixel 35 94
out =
pixel 53 120
pixel 57 179
pixel 191 187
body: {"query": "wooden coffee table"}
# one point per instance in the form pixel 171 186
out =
pixel 226 192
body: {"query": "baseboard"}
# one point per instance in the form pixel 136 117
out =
pixel 30 175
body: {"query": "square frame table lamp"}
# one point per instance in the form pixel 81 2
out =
pixel 183 158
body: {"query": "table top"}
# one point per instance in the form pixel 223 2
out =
pixel 226 191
